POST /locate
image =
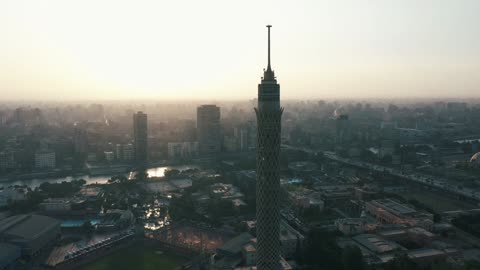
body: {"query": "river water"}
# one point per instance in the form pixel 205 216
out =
pixel 35 182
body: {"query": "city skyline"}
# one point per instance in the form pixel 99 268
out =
pixel 132 137
pixel 346 49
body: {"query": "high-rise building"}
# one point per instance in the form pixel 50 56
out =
pixel 342 130
pixel 45 159
pixel 109 156
pixel 140 137
pixel 245 135
pixel 119 151
pixel 128 152
pixel 80 141
pixel 7 160
pixel 269 114
pixel 208 129
pixel 182 150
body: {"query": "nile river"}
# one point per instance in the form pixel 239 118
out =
pixel 35 182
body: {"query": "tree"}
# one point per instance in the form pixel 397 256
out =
pixel 118 178
pixel 352 258
pixel 321 251
pixel 170 173
pixel 182 207
pixel 62 189
pixel 80 182
pixel 141 176
pixel 387 159
pixel 87 227
pixel 400 262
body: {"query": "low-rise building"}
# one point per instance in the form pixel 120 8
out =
pixel 225 191
pixel 249 253
pixel 365 193
pixel 11 195
pixel 306 198
pixel 31 233
pixel 391 211
pixel 9 254
pixel 55 205
pixel 377 244
pixel 61 204
pixel 290 240
pixel 90 193
pixel 428 256
pixel 334 194
pixel 353 226
pixel 240 253
pixel 417 235
pixel 234 246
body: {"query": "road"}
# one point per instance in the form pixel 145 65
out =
pixel 428 180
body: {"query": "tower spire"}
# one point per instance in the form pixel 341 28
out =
pixel 269 67
pixel 268 74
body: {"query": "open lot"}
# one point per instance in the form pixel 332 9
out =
pixel 137 257
pixel 193 237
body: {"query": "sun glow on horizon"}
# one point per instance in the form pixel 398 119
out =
pixel 58 49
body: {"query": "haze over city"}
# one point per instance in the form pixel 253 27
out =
pixel 248 135
pixel 164 50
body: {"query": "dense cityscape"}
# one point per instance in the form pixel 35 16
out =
pixel 259 183
pixel 368 184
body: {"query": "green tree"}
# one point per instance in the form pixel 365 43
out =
pixel 141 176
pixel 321 251
pixel 87 227
pixel 182 207
pixel 170 173
pixel 400 262
pixel 352 258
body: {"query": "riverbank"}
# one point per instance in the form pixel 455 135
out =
pixel 33 181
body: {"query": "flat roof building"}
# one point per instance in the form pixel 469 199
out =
pixel 29 232
pixel 234 246
pixel 377 244
pixel 9 254
pixel 391 211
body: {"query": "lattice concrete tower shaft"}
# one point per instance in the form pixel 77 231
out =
pixel 269 114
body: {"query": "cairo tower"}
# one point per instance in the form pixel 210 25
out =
pixel 269 114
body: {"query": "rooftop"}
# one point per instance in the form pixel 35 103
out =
pixel 27 226
pixel 90 191
pixel 249 248
pixel 235 245
pixel 392 205
pixel 376 243
pixel 8 252
pixel 425 252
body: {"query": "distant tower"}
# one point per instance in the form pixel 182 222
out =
pixel 342 129
pixel 208 129
pixel 269 114
pixel 80 141
pixel 140 131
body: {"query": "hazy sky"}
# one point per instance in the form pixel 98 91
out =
pixel 134 49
